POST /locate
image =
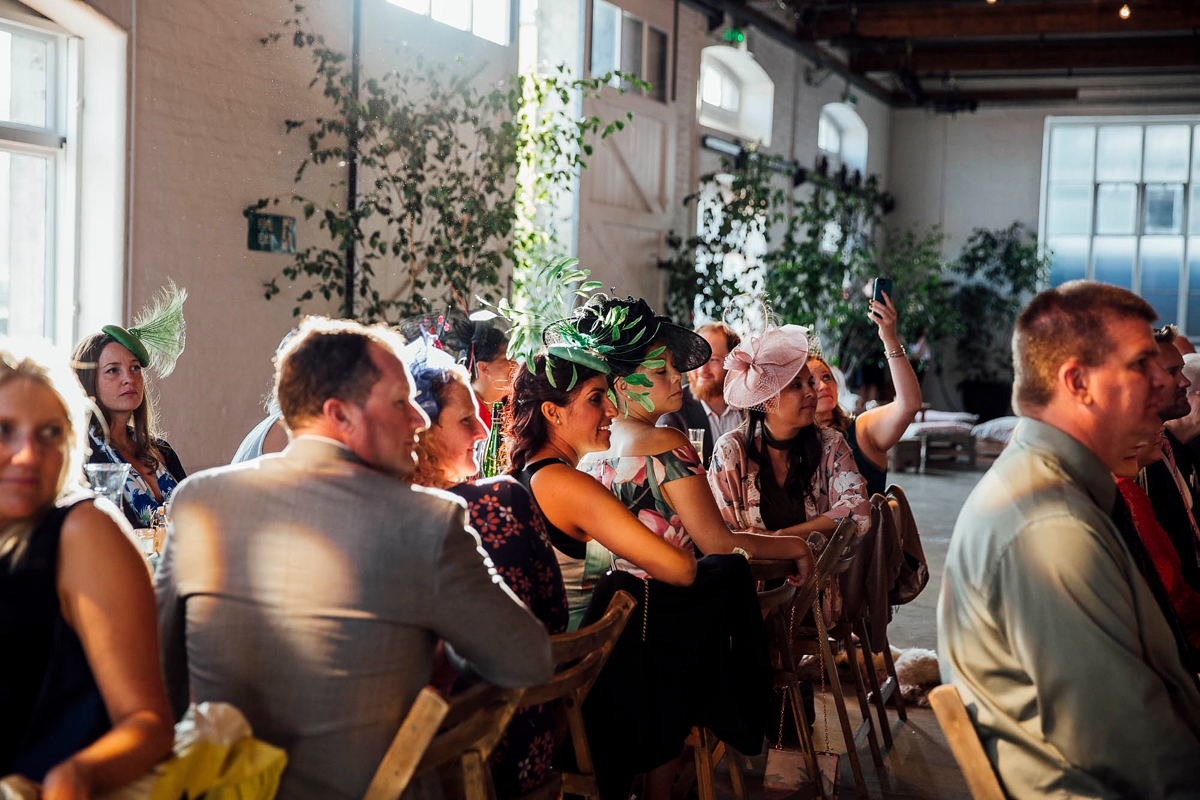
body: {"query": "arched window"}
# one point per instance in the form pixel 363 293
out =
pixel 842 136
pixel 736 95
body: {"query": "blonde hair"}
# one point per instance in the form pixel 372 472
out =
pixel 42 364
pixel 429 472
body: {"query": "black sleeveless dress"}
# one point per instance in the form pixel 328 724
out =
pixel 50 706
pixel 875 476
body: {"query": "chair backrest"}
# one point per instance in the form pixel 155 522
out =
pixel 400 762
pixel 914 570
pixel 474 723
pixel 964 743
pixel 853 580
pixel 580 655
pixel 829 563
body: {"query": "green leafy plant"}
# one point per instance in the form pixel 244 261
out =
pixel 441 204
pixel 997 271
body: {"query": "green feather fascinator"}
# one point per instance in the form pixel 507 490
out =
pixel 157 335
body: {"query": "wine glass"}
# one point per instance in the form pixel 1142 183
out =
pixel 108 480
pixel 696 437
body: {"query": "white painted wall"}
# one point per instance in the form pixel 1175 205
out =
pixel 978 170
pixel 205 138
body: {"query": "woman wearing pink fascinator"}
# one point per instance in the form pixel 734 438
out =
pixel 782 474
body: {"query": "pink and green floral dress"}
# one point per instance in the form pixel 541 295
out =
pixel 637 482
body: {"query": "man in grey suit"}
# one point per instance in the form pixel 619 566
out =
pixel 310 588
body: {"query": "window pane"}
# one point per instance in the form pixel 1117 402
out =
pixel 418 6
pixel 1167 152
pixel 1194 225
pixel 1113 259
pixel 1071 149
pixel 731 97
pixel 710 86
pixel 656 63
pixel 1119 153
pixel 490 20
pixel 23 84
pixel 829 138
pixel 606 38
pixel 24 183
pixel 631 45
pixel 1164 208
pixel 1116 208
pixel 1069 209
pixel 1196 154
pixel 1162 260
pixel 1068 258
pixel 1193 305
pixel 455 13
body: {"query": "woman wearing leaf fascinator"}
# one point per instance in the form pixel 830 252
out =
pixel 110 366
pixel 782 474
pixel 562 407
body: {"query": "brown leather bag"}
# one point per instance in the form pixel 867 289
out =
pixel 914 571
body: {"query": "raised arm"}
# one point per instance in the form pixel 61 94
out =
pixel 112 611
pixel 580 506
pixel 881 428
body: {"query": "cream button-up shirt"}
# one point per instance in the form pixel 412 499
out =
pixel 1064 658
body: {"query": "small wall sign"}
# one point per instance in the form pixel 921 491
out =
pixel 271 233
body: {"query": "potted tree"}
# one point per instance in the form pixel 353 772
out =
pixel 997 271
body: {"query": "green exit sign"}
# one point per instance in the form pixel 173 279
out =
pixel 734 36
pixel 271 233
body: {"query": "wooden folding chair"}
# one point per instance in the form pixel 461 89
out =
pixel 964 742
pixel 846 537
pixel 473 725
pixel 400 762
pixel 579 655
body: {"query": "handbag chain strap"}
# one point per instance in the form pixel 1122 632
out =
pixel 783 691
pixel 645 606
pixel 821 656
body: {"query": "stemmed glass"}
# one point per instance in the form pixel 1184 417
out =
pixel 696 437
pixel 108 480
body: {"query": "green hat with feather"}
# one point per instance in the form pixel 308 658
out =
pixel 156 337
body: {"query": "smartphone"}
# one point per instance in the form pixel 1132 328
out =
pixel 882 286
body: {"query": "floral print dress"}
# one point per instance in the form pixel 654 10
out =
pixel 513 532
pixel 637 482
pixel 139 502
pixel 839 491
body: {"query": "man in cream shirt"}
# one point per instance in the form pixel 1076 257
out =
pixel 1052 622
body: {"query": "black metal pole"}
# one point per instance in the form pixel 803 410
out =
pixel 352 162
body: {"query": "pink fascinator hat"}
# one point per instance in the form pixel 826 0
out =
pixel 763 365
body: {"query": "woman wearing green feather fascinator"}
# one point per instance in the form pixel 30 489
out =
pixel 111 365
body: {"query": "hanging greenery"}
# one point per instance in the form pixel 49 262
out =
pixel 807 241
pixel 441 205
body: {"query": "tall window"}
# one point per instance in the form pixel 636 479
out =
pixel 31 155
pixel 1121 204
pixel 623 42
pixel 487 19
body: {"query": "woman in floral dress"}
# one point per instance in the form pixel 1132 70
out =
pixel 656 472
pixel 784 474
pixel 513 532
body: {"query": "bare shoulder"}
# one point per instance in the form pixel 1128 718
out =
pixel 92 535
pixel 664 439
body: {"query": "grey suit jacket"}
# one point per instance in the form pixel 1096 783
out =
pixel 310 591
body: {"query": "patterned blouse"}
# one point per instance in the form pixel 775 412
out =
pixel 839 491
pixel 513 532
pixel 139 503
pixel 637 482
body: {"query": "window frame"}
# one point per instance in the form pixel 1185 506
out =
pixel 510 15
pixel 1191 241
pixel 50 141
pixel 659 92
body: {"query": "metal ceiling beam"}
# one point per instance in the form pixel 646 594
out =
pixel 984 20
pixel 1141 53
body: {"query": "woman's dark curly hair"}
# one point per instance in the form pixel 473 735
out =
pixel 527 430
pixel 803 455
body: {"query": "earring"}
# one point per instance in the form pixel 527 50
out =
pixel 558 422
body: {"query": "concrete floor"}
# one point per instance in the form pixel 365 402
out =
pixel 919 764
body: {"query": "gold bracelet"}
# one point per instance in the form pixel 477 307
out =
pixel 897 353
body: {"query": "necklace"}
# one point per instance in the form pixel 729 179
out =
pixel 779 444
